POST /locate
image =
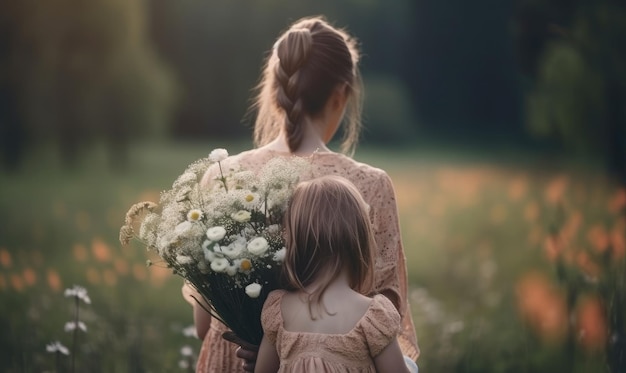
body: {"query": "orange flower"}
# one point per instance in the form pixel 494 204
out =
pixel 80 253
pixel 100 250
pixel 542 306
pixel 598 238
pixel 54 280
pixel 30 277
pixel 591 325
pixel 552 247
pixel 618 201
pixel 5 258
pixel 556 189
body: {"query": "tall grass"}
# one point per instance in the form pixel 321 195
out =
pixel 474 228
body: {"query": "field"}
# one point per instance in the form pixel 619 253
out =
pixel 484 291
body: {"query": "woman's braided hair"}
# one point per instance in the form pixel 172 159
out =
pixel 307 63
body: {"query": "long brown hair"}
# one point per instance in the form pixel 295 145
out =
pixel 327 230
pixel 307 62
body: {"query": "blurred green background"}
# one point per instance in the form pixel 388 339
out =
pixel 501 123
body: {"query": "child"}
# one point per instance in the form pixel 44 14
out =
pixel 323 321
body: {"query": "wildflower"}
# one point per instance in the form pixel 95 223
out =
pixel 190 331
pixel 253 290
pixel 258 246
pixel 184 259
pixel 218 155
pixel 219 264
pixel 233 250
pixel 279 255
pixel 245 265
pixel 209 255
pixel 56 346
pixel 250 199
pixel 72 325
pixel 78 292
pixel 215 233
pixel 194 215
pixel 241 216
pixel 182 228
pixel 186 351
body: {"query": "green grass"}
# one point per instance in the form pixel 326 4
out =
pixel 472 225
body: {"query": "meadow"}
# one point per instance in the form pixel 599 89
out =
pixel 490 288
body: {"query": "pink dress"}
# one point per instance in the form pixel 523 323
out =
pixel 218 355
pixel 351 352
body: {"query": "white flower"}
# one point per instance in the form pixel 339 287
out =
pixel 194 215
pixel 71 325
pixel 186 351
pixel 273 229
pixel 279 256
pixel 56 346
pixel 215 233
pixel 209 254
pixel 190 331
pixel 182 228
pixel 253 290
pixel 219 264
pixel 250 199
pixel 218 155
pixel 183 259
pixel 78 292
pixel 232 269
pixel 241 216
pixel 183 364
pixel 233 250
pixel 258 246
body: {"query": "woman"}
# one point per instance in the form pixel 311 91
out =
pixel 310 83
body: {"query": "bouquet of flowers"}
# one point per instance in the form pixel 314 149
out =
pixel 224 236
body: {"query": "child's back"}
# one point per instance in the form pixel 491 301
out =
pixel 344 342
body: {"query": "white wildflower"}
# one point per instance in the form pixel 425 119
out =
pixel 233 250
pixel 232 269
pixel 241 216
pixel 219 264
pixel 215 233
pixel 279 256
pixel 253 290
pixel 78 292
pixel 218 155
pixel 186 351
pixel 183 364
pixel 183 228
pixel 250 199
pixel 190 331
pixel 72 325
pixel 184 259
pixel 258 246
pixel 194 215
pixel 209 255
pixel 56 346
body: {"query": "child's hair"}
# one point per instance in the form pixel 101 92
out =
pixel 307 62
pixel 327 229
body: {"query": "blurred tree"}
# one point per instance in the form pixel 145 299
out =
pixel 76 71
pixel 573 53
pixel 217 49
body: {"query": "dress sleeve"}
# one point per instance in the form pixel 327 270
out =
pixel 271 316
pixel 391 271
pixel 381 324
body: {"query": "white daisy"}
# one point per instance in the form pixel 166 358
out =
pixel 279 256
pixel 194 215
pixel 56 346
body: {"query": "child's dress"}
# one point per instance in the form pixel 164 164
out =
pixel 315 352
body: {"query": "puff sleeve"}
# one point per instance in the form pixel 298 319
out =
pixel 271 316
pixel 381 324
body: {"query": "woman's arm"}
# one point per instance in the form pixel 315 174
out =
pixel 267 360
pixel 201 318
pixel 390 359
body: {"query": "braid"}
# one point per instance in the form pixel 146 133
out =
pixel 293 52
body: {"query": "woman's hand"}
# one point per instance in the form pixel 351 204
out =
pixel 246 351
